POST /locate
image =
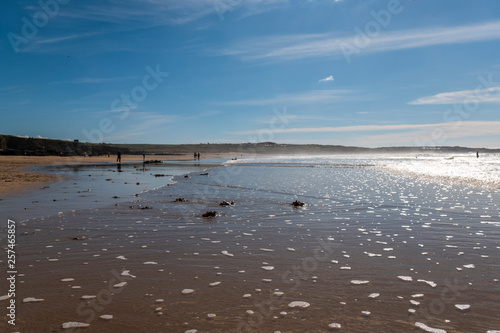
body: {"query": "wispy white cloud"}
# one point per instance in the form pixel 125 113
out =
pixel 97 99
pixel 256 7
pixel 118 136
pixel 308 97
pixel 468 133
pixel 140 123
pixel 162 12
pixel 205 114
pixel 293 47
pixel 137 15
pixel 463 129
pixel 11 90
pixel 97 80
pixel 52 40
pixel 328 78
pixel 21 102
pixel 489 95
pixel 43 44
pixel 302 117
pixel 76 44
pixel 149 120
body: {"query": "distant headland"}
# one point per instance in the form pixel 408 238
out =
pixel 14 145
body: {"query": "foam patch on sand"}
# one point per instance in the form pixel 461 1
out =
pixel 74 324
pixel 298 304
pixel 359 282
pixel 32 300
pixel 429 329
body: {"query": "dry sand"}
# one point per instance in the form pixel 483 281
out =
pixel 15 178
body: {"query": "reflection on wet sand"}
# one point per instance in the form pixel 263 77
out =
pixel 367 251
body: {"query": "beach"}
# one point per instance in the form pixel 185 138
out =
pixel 258 166
pixel 15 178
pixel 369 249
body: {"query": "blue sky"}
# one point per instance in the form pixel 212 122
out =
pixel 350 72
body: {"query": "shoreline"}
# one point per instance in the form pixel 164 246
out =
pixel 239 271
pixel 15 177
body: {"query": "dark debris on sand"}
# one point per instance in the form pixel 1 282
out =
pixel 141 207
pixel 210 214
pixel 297 203
pixel 153 162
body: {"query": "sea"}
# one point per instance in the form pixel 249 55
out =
pixel 354 243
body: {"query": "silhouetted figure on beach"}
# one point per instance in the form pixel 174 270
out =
pixel 143 157
pixel 119 157
pixel 198 155
pixel 477 154
pixel 195 155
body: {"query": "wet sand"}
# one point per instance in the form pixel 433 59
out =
pixel 15 178
pixel 364 261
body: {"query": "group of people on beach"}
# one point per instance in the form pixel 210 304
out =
pixel 119 156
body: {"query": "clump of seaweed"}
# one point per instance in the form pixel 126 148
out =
pixel 210 214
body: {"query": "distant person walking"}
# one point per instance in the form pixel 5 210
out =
pixel 143 157
pixel 199 155
pixel 477 154
pixel 195 155
pixel 119 157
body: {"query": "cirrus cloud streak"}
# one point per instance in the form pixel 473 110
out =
pixel 464 128
pixel 301 46
pixel 489 95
